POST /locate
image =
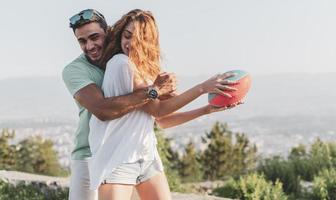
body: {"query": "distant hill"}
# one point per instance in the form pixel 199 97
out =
pixel 284 94
pixel 35 98
pixel 275 95
pixel 281 110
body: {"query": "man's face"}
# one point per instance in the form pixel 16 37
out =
pixel 91 40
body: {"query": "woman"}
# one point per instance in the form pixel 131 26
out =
pixel 124 153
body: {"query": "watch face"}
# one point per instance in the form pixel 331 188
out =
pixel 153 94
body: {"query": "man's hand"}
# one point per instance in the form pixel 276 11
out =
pixel 165 83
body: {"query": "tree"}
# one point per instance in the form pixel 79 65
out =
pixel 7 151
pixel 165 150
pixel 190 167
pixel 33 155
pixel 309 163
pixel 36 155
pixel 244 155
pixel 303 164
pixel 215 158
pixel 323 155
pixel 225 156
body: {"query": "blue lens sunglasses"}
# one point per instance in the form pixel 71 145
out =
pixel 85 15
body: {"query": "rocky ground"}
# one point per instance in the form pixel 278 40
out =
pixel 14 177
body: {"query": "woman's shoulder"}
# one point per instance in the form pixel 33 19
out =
pixel 120 59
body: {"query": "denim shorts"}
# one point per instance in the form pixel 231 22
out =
pixel 134 173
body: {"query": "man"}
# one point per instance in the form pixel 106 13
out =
pixel 83 78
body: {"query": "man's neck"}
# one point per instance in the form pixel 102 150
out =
pixel 93 62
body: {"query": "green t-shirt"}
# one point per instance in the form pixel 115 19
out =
pixel 76 75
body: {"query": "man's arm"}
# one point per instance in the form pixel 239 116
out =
pixel 92 98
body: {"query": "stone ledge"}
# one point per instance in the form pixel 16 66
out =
pixel 14 177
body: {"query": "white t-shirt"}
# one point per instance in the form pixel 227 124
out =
pixel 123 140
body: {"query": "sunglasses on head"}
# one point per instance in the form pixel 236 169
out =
pixel 85 15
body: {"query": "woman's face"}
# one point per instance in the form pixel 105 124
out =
pixel 126 38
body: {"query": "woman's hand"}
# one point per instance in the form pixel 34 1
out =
pixel 211 109
pixel 218 84
pixel 165 83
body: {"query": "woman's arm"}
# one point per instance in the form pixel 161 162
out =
pixel 159 108
pixel 176 119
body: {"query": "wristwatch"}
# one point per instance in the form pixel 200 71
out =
pixel 152 92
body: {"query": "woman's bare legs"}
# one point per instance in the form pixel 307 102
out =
pixel 115 192
pixel 156 188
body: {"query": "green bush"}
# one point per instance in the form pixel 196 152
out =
pixel 276 168
pixel 251 187
pixel 229 190
pixel 324 185
pixel 31 192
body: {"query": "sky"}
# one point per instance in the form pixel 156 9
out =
pixel 197 37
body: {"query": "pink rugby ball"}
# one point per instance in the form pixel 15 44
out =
pixel 243 85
